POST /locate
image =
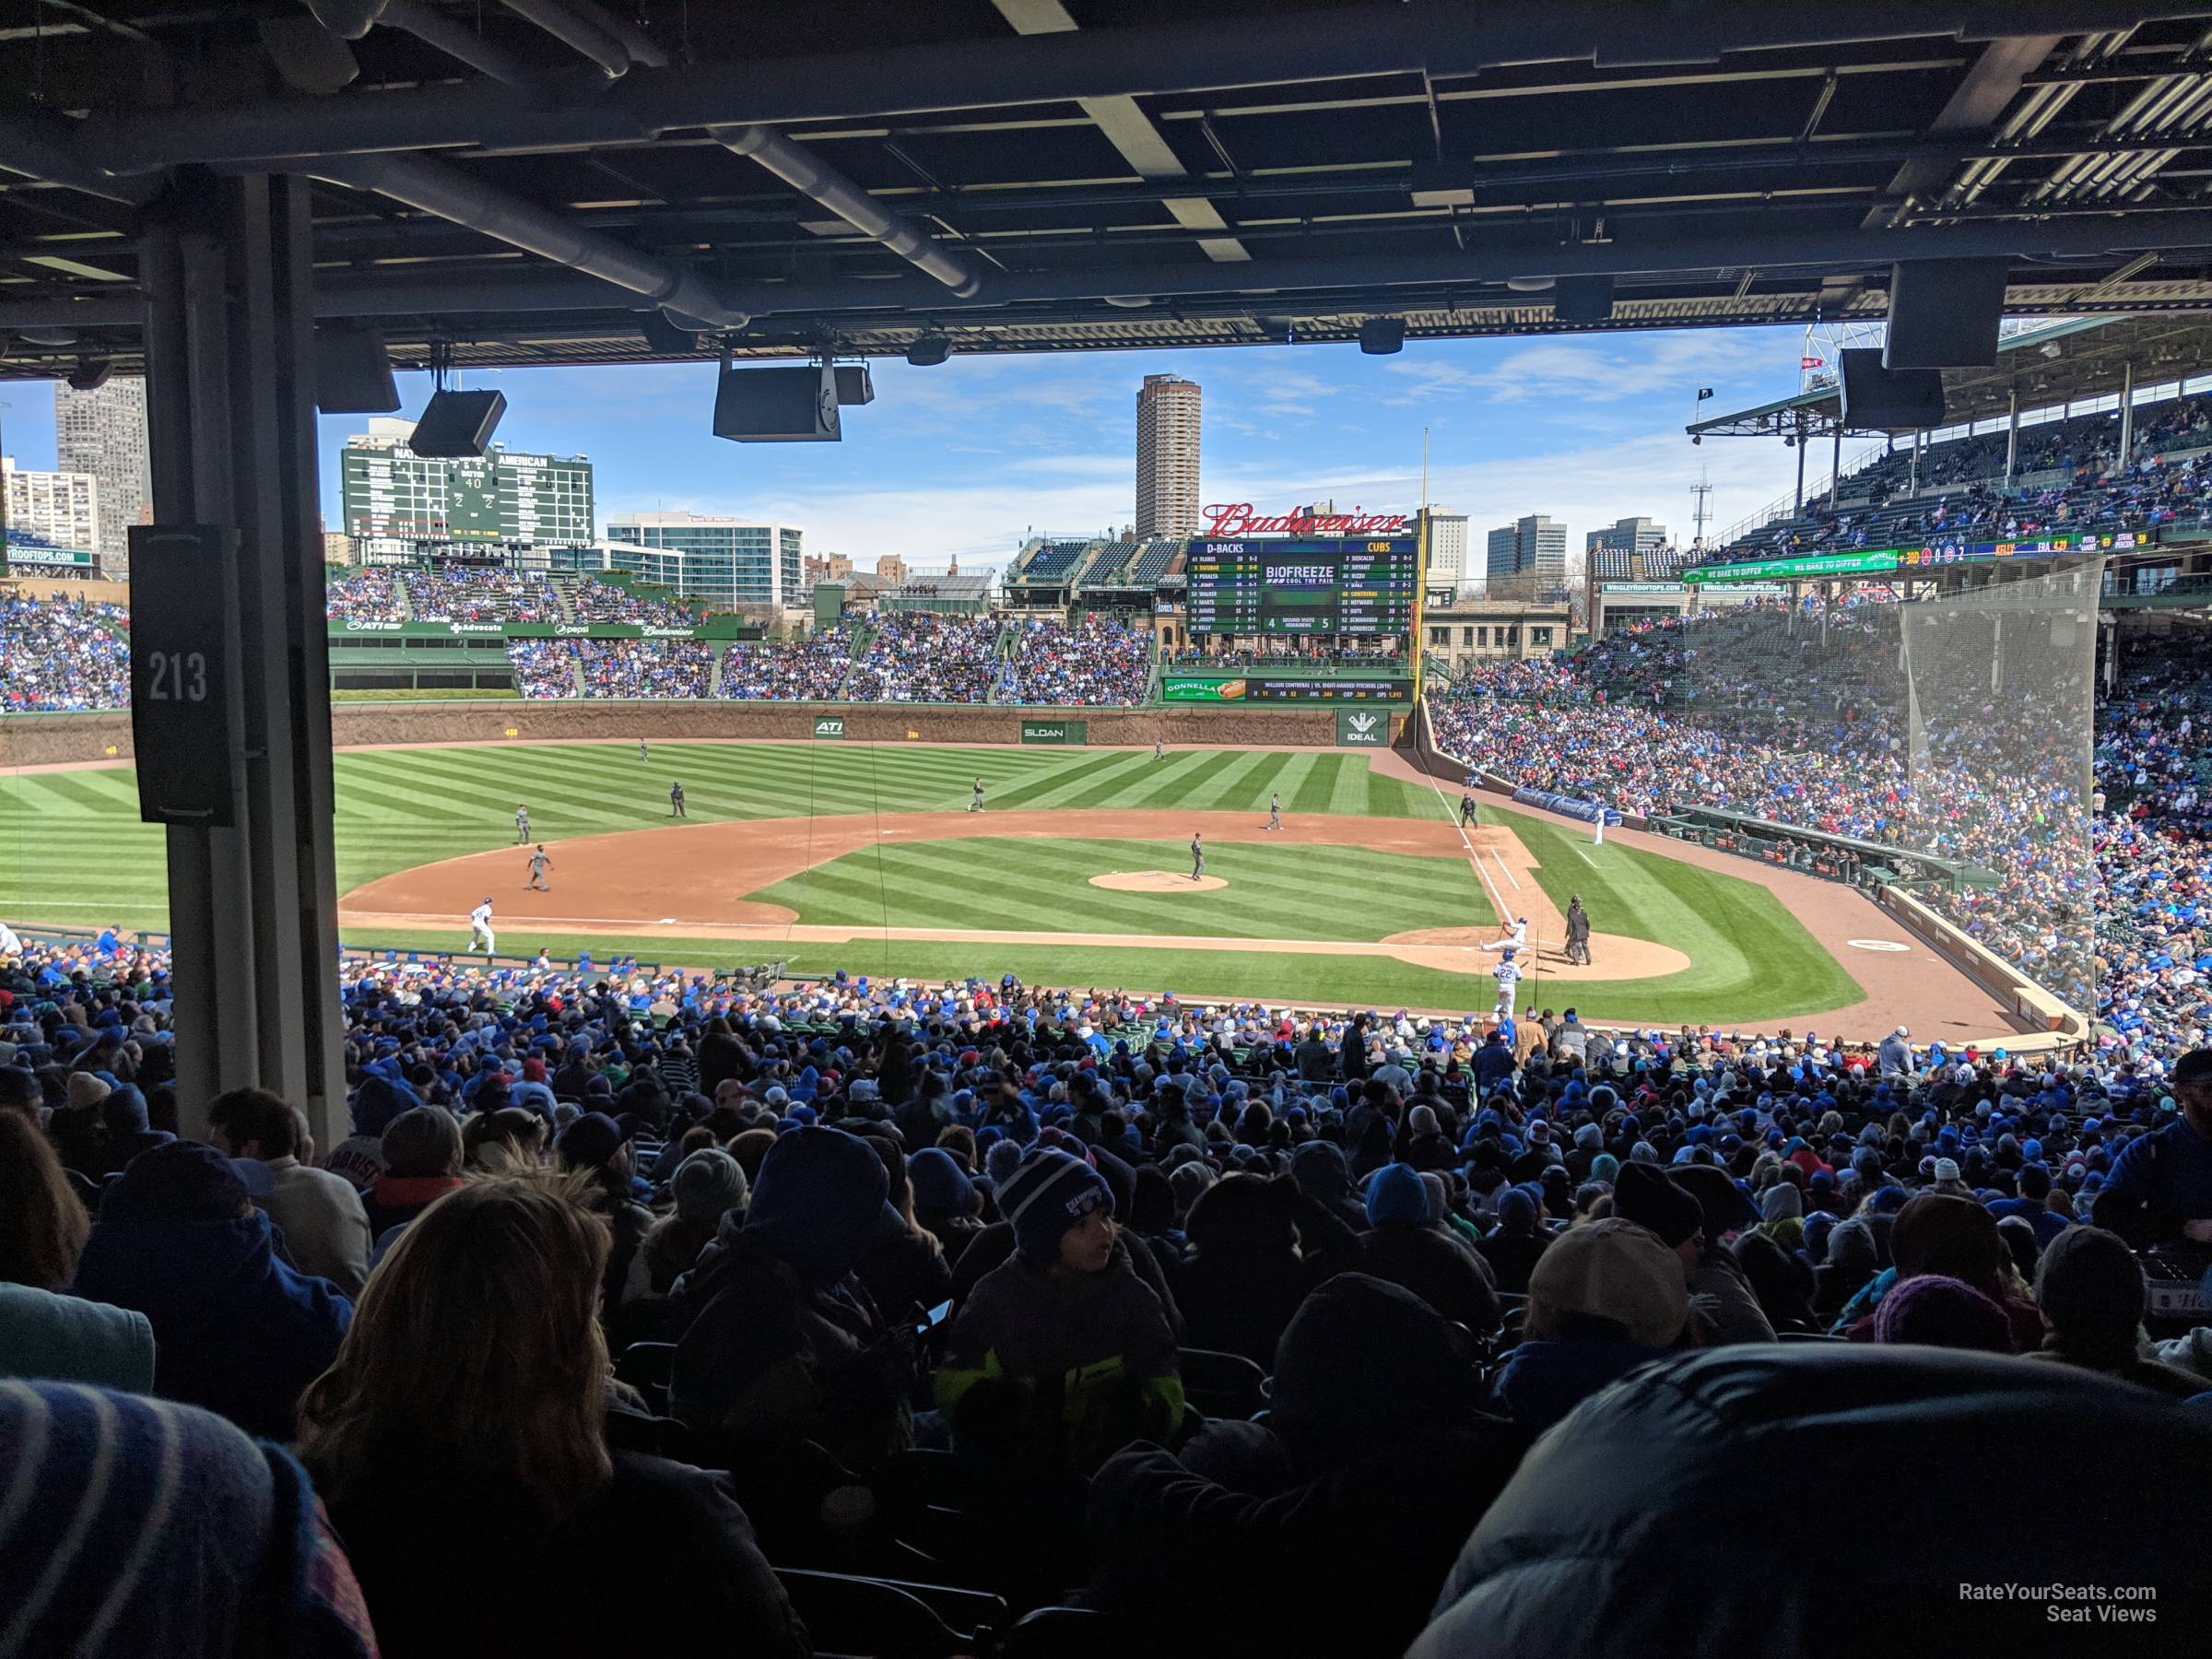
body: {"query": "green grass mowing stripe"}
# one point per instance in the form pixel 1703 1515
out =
pixel 460 786
pixel 1243 787
pixel 1064 785
pixel 1285 777
pixel 1319 790
pixel 1185 786
pixel 68 787
pixel 1349 796
pixel 1107 785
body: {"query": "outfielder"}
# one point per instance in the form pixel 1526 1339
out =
pixel 539 864
pixel 676 801
pixel 1275 811
pixel 1516 936
pixel 480 929
pixel 643 753
pixel 977 804
pixel 1160 751
pixel 1197 856
pixel 522 826
pixel 1508 974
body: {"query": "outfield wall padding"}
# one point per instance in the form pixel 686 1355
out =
pixel 56 739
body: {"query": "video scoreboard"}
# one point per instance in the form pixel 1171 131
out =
pixel 1291 585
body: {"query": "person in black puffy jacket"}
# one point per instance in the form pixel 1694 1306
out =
pixel 1372 1460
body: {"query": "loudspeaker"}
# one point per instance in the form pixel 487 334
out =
pixel 1888 400
pixel 778 406
pixel 1943 312
pixel 667 338
pixel 1582 300
pixel 457 425
pixel 854 385
pixel 353 376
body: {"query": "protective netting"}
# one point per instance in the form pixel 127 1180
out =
pixel 1943 743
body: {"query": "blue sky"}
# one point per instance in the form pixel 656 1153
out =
pixel 961 459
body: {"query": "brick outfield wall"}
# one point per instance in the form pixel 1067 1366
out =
pixel 49 740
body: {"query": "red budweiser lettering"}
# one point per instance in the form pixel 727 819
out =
pixel 1238 519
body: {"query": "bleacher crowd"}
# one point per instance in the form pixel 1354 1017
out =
pixel 1107 1304
pixel 921 656
pixel 1096 660
pixel 59 654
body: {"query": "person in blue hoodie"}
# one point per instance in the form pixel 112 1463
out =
pixel 382 1095
pixel 235 1329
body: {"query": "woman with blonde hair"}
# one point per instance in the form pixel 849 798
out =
pixel 461 1433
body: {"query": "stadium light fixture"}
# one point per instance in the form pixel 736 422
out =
pixel 90 374
pixel 1379 337
pixel 929 350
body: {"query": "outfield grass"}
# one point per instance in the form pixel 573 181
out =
pixel 72 849
pixel 1275 890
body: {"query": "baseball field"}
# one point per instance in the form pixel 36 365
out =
pixel 1078 872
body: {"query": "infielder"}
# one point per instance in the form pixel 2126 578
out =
pixel 1197 856
pixel 1508 974
pixel 480 929
pixel 1275 811
pixel 977 804
pixel 539 864
pixel 522 826
pixel 676 801
pixel 1516 936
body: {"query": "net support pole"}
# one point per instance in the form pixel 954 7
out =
pixel 2012 434
pixel 232 427
pixel 1797 505
pixel 2127 414
pixel 1835 465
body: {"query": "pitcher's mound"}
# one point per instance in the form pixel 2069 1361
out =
pixel 1155 881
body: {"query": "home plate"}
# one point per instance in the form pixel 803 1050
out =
pixel 1155 881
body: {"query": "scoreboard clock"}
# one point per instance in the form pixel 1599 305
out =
pixel 187 718
pixel 1354 586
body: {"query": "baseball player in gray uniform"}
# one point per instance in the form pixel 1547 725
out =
pixel 1197 856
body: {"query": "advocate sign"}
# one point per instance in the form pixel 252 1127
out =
pixel 1237 518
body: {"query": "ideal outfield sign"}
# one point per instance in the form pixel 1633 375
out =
pixel 1055 731
pixel 1214 688
pixel 830 725
pixel 1357 728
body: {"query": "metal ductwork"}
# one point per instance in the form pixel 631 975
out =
pixel 42 147
pixel 451 195
pixel 564 25
pixel 351 19
pixel 800 170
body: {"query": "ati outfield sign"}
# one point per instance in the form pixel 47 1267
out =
pixel 1362 728
pixel 830 725
pixel 1237 518
pixel 1055 731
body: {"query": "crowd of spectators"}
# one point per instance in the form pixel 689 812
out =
pixel 544 668
pixel 1437 1239
pixel 921 656
pixel 595 601
pixel 369 595
pixel 473 593
pixel 60 655
pixel 802 670
pixel 592 668
pixel 1098 660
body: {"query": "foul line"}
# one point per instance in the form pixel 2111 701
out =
pixel 1497 895
pixel 1503 871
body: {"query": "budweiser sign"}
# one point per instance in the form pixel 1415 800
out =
pixel 1238 519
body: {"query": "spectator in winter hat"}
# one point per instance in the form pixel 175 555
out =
pixel 1512 1248
pixel 1406 1246
pixel 1607 1297
pixel 2090 1289
pixel 1957 1238
pixel 709 1185
pixel 380 1097
pixel 235 1329
pixel 1062 1350
pixel 778 1342
pixel 422 1163
pixel 1727 1306
pixel 596 1147
pixel 946 1200
pixel 1939 1311
pixel 904 1269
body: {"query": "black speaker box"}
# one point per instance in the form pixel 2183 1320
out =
pixel 778 406
pixel 1582 300
pixel 1943 312
pixel 1888 400
pixel 353 376
pixel 457 425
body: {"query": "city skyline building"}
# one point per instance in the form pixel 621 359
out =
pixel 1533 547
pixel 723 562
pixel 52 518
pixel 103 432
pixel 1168 410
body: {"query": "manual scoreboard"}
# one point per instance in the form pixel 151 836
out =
pixel 1291 585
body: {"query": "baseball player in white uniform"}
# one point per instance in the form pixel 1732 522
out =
pixel 1508 974
pixel 480 929
pixel 1516 936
